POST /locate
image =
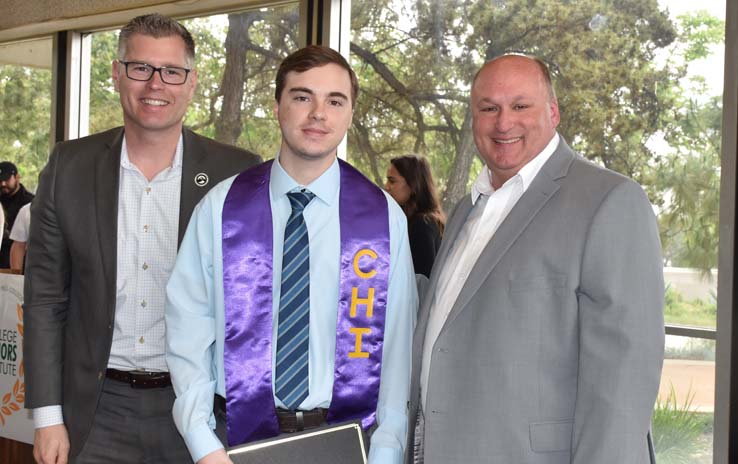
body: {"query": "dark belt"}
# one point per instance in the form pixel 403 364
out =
pixel 296 421
pixel 140 379
pixel 289 421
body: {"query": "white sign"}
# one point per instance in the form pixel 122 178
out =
pixel 15 421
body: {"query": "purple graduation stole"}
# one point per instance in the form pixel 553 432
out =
pixel 247 286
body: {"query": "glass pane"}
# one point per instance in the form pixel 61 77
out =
pixel 236 60
pixel 683 416
pixel 25 106
pixel 639 88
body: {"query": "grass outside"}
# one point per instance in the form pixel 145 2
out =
pixel 681 435
pixel 697 312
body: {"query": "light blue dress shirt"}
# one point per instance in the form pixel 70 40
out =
pixel 195 314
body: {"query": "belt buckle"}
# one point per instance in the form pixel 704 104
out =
pixel 141 379
pixel 133 381
pixel 300 421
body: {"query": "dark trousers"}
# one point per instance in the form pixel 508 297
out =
pixel 133 426
pixel 221 430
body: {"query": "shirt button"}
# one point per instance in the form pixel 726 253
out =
pixel 146 228
pixel 99 375
pixel 141 340
pixel 145 266
pixel 148 190
pixel 143 303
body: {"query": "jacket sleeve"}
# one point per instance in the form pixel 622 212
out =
pixel 46 295
pixel 621 330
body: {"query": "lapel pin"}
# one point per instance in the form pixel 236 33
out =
pixel 201 179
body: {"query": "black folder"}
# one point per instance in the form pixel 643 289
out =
pixel 336 444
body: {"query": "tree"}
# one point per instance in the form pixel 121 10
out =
pixel 416 64
pixel 687 172
pixel 25 117
pixel 619 68
pixel 105 110
pixel 235 94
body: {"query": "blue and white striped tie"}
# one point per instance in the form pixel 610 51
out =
pixel 293 330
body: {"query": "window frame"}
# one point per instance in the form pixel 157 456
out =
pixel 327 22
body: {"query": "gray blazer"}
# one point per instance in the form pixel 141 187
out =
pixel 552 352
pixel 71 266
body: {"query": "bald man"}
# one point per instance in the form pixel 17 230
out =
pixel 541 337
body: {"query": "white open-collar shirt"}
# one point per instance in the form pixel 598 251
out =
pixel 491 207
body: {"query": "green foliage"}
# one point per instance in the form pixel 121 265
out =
pixel 698 313
pixel 271 34
pixel 416 63
pixel 105 112
pixel 25 118
pixel 700 31
pixel 686 173
pixel 676 429
pixel 267 35
pixel 619 67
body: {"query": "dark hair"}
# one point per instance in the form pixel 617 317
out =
pixel 545 72
pixel 157 26
pixel 423 199
pixel 313 56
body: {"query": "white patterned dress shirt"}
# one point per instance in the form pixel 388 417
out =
pixel 148 222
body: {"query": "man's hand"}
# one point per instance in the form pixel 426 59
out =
pixel 51 445
pixel 216 457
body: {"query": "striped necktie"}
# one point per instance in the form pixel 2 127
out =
pixel 293 330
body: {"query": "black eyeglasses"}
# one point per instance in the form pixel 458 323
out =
pixel 144 72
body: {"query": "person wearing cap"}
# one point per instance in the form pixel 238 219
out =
pixel 13 196
pixel 105 226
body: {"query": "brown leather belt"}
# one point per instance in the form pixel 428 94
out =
pixel 296 421
pixel 140 379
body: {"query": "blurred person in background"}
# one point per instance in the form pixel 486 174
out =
pixel 13 196
pixel 19 237
pixel 2 218
pixel 410 182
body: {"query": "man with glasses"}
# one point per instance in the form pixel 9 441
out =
pixel 110 212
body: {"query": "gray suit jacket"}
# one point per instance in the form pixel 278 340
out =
pixel 552 352
pixel 71 266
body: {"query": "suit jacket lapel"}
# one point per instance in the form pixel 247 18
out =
pixel 544 185
pixel 106 181
pixel 193 166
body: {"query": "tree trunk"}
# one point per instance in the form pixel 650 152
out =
pixel 459 176
pixel 228 126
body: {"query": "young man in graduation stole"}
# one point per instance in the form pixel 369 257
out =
pixel 293 296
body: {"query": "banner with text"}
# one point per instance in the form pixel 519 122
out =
pixel 15 421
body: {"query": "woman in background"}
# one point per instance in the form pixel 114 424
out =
pixel 410 183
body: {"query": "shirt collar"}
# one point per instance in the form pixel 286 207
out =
pixel 483 183
pixel 324 187
pixel 125 161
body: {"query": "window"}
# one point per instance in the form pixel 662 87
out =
pixel 25 106
pixel 236 60
pixel 639 88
